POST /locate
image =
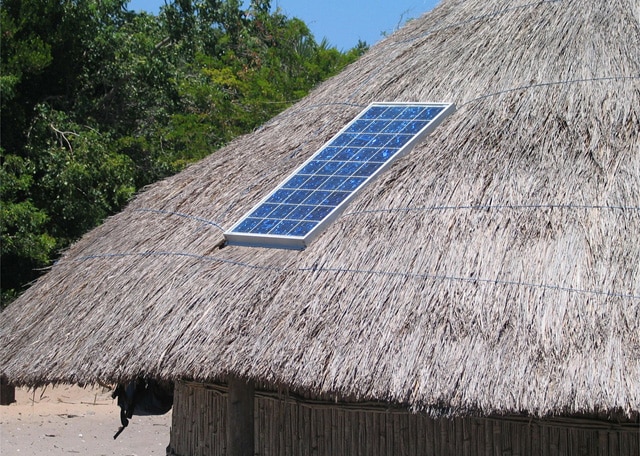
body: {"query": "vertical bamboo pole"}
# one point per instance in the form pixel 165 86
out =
pixel 7 392
pixel 240 424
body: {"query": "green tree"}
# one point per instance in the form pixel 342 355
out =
pixel 26 245
pixel 98 101
pixel 59 177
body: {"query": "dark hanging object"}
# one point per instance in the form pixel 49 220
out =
pixel 142 397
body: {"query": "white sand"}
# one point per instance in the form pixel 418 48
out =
pixel 72 420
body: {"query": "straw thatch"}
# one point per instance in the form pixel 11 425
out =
pixel 494 269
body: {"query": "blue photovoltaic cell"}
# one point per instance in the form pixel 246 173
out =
pixel 315 193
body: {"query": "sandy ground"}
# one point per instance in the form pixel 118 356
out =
pixel 71 420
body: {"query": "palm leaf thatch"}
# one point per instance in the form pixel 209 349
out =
pixel 495 268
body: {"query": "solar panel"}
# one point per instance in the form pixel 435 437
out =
pixel 309 199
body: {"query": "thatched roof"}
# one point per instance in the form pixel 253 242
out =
pixel 495 268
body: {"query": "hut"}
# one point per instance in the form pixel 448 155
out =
pixel 482 296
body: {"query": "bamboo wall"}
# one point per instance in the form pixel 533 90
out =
pixel 289 426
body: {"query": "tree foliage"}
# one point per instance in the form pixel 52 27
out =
pixel 98 101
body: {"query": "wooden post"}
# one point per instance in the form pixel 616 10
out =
pixel 240 425
pixel 7 392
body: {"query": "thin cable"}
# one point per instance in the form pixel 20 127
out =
pixel 470 280
pixel 495 206
pixel 373 272
pixel 547 84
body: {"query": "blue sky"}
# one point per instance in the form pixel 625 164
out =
pixel 342 22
